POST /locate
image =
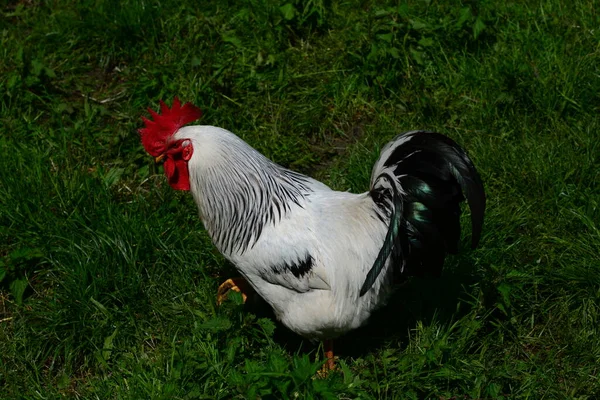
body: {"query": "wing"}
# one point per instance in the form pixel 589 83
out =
pixel 288 253
pixel 300 275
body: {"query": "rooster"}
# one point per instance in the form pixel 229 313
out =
pixel 324 260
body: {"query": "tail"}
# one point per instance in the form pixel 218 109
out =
pixel 418 183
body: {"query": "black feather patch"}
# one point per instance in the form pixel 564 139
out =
pixel 298 269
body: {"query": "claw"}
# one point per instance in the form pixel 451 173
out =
pixel 231 284
pixel 329 362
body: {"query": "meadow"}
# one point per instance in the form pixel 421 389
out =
pixel 108 279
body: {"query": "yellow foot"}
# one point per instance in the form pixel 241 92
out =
pixel 327 368
pixel 330 360
pixel 237 285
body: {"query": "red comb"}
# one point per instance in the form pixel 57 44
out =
pixel 156 133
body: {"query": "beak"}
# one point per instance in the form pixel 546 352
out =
pixel 159 158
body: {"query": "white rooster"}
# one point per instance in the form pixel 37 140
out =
pixel 324 260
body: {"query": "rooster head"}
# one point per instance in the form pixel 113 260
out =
pixel 158 140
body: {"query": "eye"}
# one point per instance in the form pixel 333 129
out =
pixel 174 144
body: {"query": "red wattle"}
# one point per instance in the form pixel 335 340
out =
pixel 177 173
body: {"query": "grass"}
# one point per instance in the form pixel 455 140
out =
pixel 108 280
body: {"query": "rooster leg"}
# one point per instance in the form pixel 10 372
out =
pixel 238 284
pixel 330 362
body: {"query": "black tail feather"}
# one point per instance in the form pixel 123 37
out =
pixel 431 173
pixel 388 244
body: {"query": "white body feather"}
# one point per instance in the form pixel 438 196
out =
pixel 341 231
pixel 342 234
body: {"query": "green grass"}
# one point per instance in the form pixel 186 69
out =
pixel 108 280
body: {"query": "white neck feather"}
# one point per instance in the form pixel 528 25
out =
pixel 238 190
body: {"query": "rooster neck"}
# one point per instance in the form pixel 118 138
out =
pixel 239 191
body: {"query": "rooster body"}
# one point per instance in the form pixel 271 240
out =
pixel 323 259
pixel 303 247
